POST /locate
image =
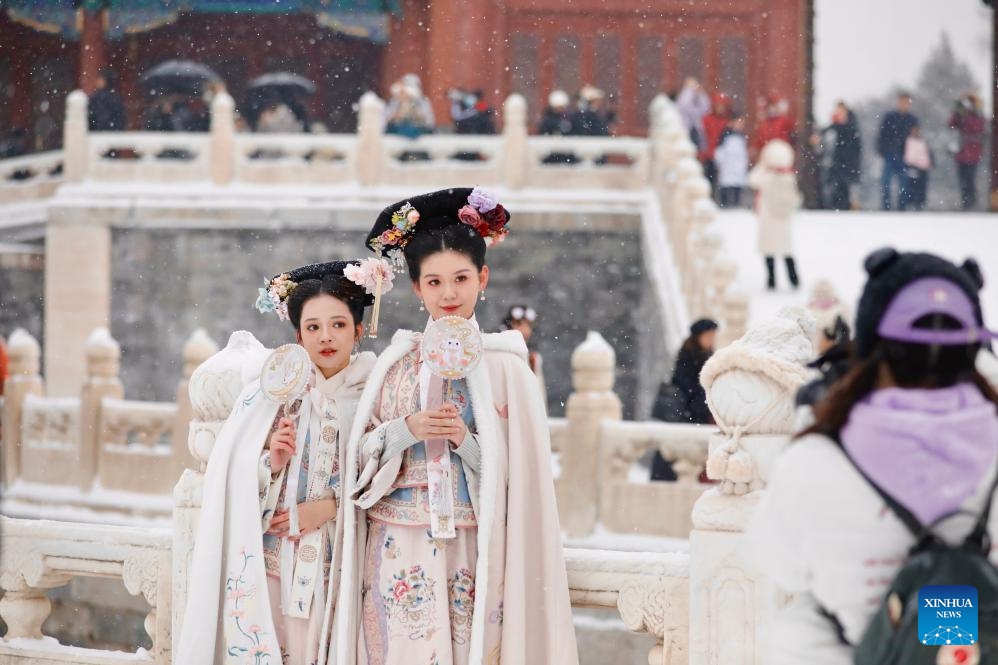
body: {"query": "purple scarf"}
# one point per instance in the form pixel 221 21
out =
pixel 928 449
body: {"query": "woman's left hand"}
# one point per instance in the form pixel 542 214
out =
pixel 311 516
pixel 458 421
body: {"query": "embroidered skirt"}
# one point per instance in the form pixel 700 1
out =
pixel 418 596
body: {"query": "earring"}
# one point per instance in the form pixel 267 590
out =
pixel 482 297
pixel 422 308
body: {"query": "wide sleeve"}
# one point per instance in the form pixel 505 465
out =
pixel 269 483
pixel 380 460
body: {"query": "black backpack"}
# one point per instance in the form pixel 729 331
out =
pixel 892 637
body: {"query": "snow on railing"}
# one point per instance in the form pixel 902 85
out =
pixel 42 165
pixel 30 177
pixel 148 156
pixel 136 438
pixel 97 442
pixel 49 439
pixel 39 555
pixel 296 158
pixel 623 502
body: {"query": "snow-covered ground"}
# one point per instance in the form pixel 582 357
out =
pixel 833 245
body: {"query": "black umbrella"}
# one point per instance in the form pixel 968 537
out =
pixel 284 83
pixel 178 76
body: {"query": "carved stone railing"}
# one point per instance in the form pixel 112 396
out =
pixel 39 555
pixel 651 592
pixel 623 503
pixel 615 163
pixel 92 451
pixel 149 156
pixel 136 438
pixel 50 439
pixel 300 158
pixel 30 177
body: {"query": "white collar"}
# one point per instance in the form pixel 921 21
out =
pixel 328 387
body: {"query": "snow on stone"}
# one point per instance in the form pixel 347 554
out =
pixel 833 245
pixel 601 539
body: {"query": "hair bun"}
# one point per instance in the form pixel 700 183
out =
pixel 974 272
pixel 878 261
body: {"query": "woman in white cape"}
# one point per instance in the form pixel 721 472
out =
pixel 494 588
pixel 264 573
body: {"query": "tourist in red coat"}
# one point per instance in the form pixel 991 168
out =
pixel 968 120
pixel 777 125
pixel 714 124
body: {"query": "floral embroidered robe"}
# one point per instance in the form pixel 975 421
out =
pixel 517 596
pixel 233 606
pixel 418 592
pixel 319 478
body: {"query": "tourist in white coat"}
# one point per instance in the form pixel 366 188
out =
pixel 915 417
pixel 777 199
pixel 732 160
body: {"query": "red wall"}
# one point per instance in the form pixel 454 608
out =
pixel 634 48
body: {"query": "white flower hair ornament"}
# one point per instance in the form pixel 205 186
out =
pixel 375 276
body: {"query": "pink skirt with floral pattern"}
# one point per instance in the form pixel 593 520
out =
pixel 418 596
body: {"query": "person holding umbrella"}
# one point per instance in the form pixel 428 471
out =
pixel 176 85
pixel 283 92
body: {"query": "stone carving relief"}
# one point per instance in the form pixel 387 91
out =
pixel 52 423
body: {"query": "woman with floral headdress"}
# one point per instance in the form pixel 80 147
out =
pixel 264 569
pixel 492 588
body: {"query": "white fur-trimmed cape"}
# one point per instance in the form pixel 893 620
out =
pixel 531 589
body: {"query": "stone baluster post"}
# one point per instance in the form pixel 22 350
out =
pixel 692 187
pixel 658 136
pixel 23 379
pixel 198 348
pixel 708 250
pixel 722 275
pixel 370 131
pixel 677 148
pixel 727 606
pixel 103 366
pixel 213 389
pixel 592 400
pixel 515 156
pixel 734 317
pixel 24 609
pixel 74 137
pixel 702 215
pixel 223 138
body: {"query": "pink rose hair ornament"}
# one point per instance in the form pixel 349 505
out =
pixel 485 215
